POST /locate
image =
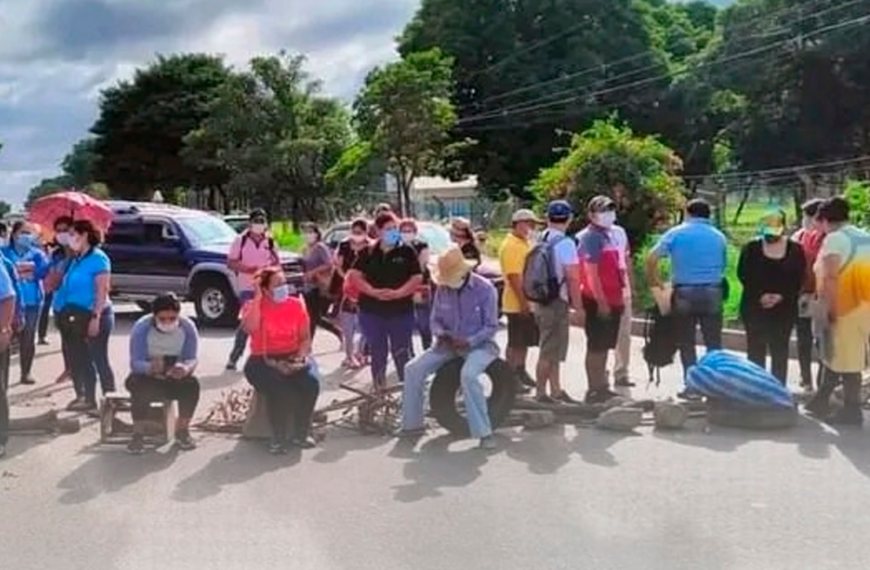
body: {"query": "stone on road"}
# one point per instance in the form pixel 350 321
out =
pixel 562 497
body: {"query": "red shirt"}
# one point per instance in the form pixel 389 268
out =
pixel 597 246
pixel 811 242
pixel 282 326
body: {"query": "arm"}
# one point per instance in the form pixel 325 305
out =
pixel 435 322
pixel 41 266
pixel 410 287
pixel 358 279
pixel 661 251
pixel 325 261
pixel 234 257
pixel 304 335
pixel 251 314
pixel 140 362
pixel 830 271
pixel 743 274
pixel 490 319
pixel 190 348
pixel 101 283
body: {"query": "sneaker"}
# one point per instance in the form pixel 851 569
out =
pixel 230 367
pixel 77 405
pixel 818 407
pixel 184 441
pixel 488 443
pixel 525 378
pixel 545 399
pixel 600 396
pixel 564 398
pixel 277 447
pixel 411 433
pixel 690 396
pixel 136 445
pixel 90 408
pixel 28 381
pixel 304 443
pixel 624 383
pixel 851 416
pixel 42 342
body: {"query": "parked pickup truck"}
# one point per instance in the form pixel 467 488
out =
pixel 156 248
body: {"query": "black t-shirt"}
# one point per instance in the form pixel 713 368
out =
pixel 388 270
pixel 348 255
pixel 420 246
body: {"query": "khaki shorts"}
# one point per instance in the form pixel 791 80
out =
pixel 553 327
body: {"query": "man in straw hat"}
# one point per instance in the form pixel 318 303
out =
pixel 464 324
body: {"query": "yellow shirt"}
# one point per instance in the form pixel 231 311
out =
pixel 512 258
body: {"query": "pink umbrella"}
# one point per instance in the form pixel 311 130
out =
pixel 77 205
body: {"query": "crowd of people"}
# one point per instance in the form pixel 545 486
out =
pixel 381 286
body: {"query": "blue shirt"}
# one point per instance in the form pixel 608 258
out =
pixel 697 251
pixel 469 313
pixel 7 286
pixel 30 287
pixel 564 255
pixel 8 269
pixel 79 281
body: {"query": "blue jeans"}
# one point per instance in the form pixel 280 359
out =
pixel 27 340
pixel 349 322
pixel 241 340
pixel 387 334
pixel 98 348
pixel 422 367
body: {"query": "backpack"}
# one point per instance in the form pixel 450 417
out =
pixel 541 284
pixel 270 244
pixel 660 344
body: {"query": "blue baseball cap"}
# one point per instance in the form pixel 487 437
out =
pixel 559 211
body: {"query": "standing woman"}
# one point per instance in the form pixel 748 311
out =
pixel 810 237
pixel 32 265
pixel 463 236
pixel 423 297
pixel 85 317
pixel 279 367
pixel 318 262
pixel 60 258
pixel 772 270
pixel 387 276
pixel 349 252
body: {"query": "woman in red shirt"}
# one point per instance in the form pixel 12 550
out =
pixel 810 237
pixel 278 367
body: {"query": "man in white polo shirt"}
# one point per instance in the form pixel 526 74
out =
pixel 251 251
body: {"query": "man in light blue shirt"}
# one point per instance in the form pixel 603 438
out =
pixel 7 316
pixel 698 252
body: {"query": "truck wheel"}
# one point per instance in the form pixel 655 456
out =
pixel 215 301
pixel 445 386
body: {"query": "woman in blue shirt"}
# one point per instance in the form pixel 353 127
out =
pixel 57 263
pixel 84 315
pixel 32 266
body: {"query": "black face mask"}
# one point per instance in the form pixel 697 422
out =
pixel 772 239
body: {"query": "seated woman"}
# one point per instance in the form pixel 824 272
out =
pixel 163 357
pixel 279 367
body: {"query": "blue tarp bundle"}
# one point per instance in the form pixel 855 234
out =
pixel 724 376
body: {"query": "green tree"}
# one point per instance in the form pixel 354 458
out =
pixel 142 123
pixel 80 162
pixel 608 158
pixel 405 116
pixel 274 135
pixel 5 208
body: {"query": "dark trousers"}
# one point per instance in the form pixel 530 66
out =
pixel 422 317
pixel 4 400
pixel 241 338
pixel 693 307
pixel 286 397
pixel 99 350
pixel 44 314
pixel 805 351
pixel 88 358
pixel 387 334
pixel 146 389
pixel 769 334
pixel 27 341
pixel 318 306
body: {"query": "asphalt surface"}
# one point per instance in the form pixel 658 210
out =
pixel 558 498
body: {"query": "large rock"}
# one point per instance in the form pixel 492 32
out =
pixel 620 419
pixel 538 419
pixel 670 415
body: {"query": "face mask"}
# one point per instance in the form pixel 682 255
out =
pixel 357 238
pixel 392 237
pixel 62 238
pixel 310 238
pixel 408 237
pixel 807 223
pixel 167 327
pixel 281 293
pixel 25 240
pixel 258 228
pixel 604 219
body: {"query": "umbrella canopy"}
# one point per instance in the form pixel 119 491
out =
pixel 77 205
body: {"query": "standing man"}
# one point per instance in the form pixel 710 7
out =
pixel 622 354
pixel 698 252
pixel 7 318
pixel 553 317
pixel 603 291
pixel 522 329
pixel 250 252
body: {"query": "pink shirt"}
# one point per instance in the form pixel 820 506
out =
pixel 257 255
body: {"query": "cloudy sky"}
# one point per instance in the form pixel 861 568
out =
pixel 56 55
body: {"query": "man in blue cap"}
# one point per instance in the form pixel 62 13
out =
pixel 553 316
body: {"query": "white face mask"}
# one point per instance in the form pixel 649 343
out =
pixel 167 327
pixel 258 228
pixel 310 238
pixel 408 237
pixel 604 219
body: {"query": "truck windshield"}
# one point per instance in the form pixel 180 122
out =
pixel 207 230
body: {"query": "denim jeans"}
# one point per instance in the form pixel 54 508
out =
pixel 89 357
pixel 4 401
pixel 695 306
pixel 27 340
pixel 241 340
pixel 422 367
pixel 387 334
pixel 99 351
pixel 286 397
pixel 349 329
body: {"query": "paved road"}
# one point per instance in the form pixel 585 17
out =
pixel 559 498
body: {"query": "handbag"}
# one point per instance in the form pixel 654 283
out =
pixel 286 364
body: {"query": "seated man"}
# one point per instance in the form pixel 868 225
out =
pixel 464 324
pixel 163 349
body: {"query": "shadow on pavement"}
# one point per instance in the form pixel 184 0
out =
pixel 544 451
pixel 20 445
pixel 593 445
pixel 340 442
pixel 434 467
pixel 110 470
pixel 245 462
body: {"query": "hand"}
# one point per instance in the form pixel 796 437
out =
pixel 603 309
pixel 258 293
pixel 525 309
pixel 444 342
pixel 178 372
pixel 5 340
pixel 460 343
pixel 94 327
pixel 157 366
pixel 577 318
pixel 769 300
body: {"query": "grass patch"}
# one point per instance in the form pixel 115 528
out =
pixel 286 238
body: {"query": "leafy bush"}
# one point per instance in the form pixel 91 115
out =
pixel 609 159
pixel 857 193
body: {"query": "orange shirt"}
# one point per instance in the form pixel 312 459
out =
pixel 281 326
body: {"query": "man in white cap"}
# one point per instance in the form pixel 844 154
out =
pixel 522 330
pixel 464 324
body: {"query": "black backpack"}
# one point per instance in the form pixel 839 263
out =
pixel 270 244
pixel 541 285
pixel 660 343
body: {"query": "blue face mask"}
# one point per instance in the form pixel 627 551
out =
pixel 392 237
pixel 281 293
pixel 25 240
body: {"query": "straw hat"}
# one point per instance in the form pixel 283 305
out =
pixel 452 268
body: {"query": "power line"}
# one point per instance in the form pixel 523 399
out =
pixel 530 106
pixel 650 52
pixel 793 169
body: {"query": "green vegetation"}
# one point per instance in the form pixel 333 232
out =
pixel 286 237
